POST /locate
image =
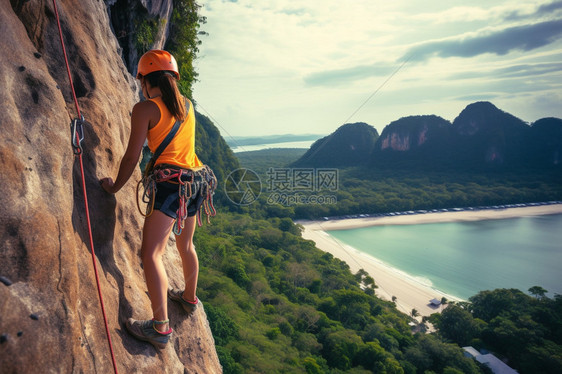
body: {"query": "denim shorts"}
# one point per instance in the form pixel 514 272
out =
pixel 167 198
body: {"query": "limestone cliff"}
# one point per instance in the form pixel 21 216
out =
pixel 50 318
pixel 413 132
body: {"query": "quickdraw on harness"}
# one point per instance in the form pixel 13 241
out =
pixel 191 182
pixel 77 133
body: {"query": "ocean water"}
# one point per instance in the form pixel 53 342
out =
pixel 258 147
pixel 463 258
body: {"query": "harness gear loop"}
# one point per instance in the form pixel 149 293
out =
pixel 149 190
pixel 191 182
pixel 77 134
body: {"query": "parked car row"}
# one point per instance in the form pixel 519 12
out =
pixel 422 211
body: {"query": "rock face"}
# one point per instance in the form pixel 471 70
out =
pixel 413 132
pixel 50 318
pixel 413 138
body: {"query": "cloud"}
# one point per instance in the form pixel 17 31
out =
pixel 345 76
pixel 527 70
pixel 549 8
pixel 525 37
pixel 543 11
pixel 458 14
pixel 514 71
pixel 294 11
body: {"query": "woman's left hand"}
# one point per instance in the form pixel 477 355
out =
pixel 107 185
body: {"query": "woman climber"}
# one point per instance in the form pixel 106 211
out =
pixel 177 186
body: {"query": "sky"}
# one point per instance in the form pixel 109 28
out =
pixel 307 67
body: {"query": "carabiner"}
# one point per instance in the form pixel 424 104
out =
pixel 77 133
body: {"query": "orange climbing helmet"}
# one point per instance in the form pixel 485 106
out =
pixel 155 60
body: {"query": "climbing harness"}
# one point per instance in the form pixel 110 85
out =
pixel 200 180
pixel 77 132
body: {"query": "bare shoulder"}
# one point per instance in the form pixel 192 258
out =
pixel 146 107
pixel 146 110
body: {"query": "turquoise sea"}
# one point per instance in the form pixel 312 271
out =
pixel 463 258
pixel 256 147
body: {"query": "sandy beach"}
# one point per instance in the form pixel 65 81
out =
pixel 410 293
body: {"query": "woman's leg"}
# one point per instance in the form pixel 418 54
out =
pixel 156 231
pixel 190 263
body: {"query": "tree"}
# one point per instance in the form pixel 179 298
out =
pixel 489 304
pixel 458 325
pixel 414 313
pixel 513 337
pixel 340 348
pixel 360 274
pixel 432 354
pixel 352 308
pixel 312 366
pixel 538 292
pixel 372 356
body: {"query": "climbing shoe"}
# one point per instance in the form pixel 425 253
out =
pixel 145 331
pixel 177 295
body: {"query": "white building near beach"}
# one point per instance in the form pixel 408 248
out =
pixel 495 364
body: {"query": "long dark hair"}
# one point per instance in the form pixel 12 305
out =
pixel 171 96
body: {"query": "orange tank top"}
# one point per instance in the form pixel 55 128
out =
pixel 181 150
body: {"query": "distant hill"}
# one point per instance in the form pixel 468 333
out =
pixel 486 135
pixel 350 145
pixel 545 142
pixel 482 136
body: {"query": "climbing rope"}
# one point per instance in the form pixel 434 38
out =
pixel 77 137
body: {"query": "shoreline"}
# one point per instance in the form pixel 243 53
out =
pixel 410 292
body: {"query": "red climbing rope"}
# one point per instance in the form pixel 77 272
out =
pixel 77 136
